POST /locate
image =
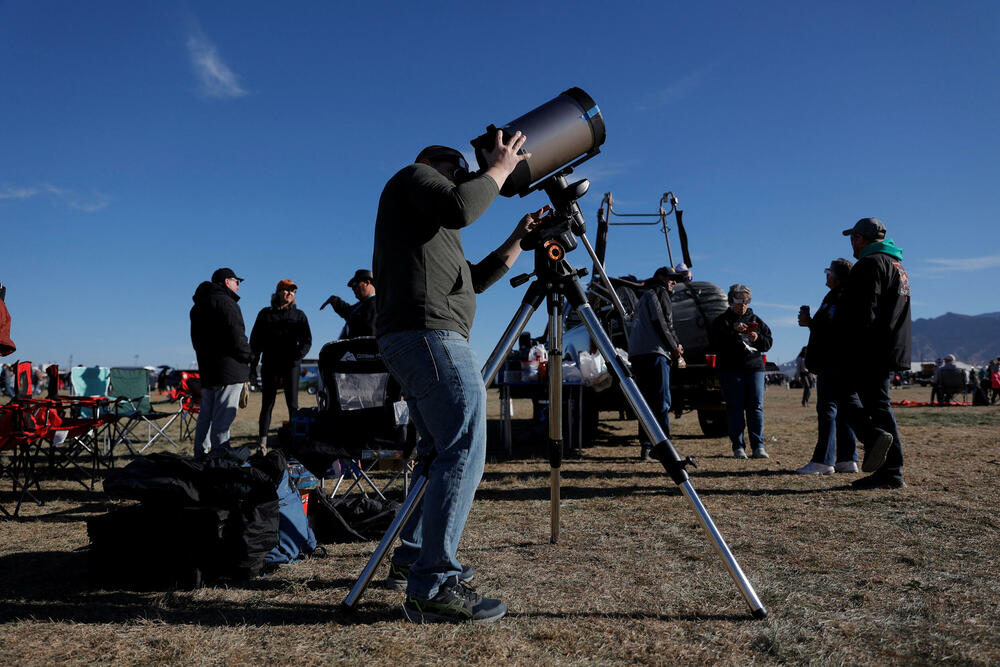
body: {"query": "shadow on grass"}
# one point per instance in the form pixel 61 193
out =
pixel 54 586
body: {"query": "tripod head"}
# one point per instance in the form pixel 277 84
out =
pixel 556 234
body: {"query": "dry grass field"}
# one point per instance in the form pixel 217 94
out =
pixel 876 577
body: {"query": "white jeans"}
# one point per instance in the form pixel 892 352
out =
pixel 218 410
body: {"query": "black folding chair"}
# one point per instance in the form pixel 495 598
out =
pixel 362 420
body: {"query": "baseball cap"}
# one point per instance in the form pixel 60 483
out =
pixel 359 275
pixel 869 228
pixel 223 274
pixel 286 284
pixel 443 153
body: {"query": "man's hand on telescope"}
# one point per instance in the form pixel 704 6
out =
pixel 503 158
pixel 511 248
pixel 529 222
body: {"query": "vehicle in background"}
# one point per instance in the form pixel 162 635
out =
pixel 309 376
pixel 695 305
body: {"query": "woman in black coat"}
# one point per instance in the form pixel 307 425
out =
pixel 281 334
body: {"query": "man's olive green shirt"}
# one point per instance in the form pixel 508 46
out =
pixel 422 279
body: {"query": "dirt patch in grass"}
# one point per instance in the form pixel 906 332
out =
pixel 907 576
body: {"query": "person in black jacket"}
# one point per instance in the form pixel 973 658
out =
pixel 872 325
pixel 220 343
pixel 739 339
pixel 281 334
pixel 836 449
pixel 360 316
pixel 653 345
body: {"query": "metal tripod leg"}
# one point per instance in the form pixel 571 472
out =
pixel 402 516
pixel 664 450
pixel 555 306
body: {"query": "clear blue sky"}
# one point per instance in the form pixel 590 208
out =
pixel 144 144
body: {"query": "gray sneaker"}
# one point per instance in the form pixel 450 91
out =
pixel 876 451
pixel 398 572
pixel 760 453
pixel 846 466
pixel 739 454
pixel 454 603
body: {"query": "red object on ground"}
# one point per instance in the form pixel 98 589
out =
pixel 923 404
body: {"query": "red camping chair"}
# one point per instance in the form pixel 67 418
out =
pixel 22 379
pixel 22 427
pixel 188 391
pixel 79 437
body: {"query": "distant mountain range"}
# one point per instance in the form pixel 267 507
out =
pixel 974 339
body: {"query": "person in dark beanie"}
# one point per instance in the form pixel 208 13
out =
pixel 739 339
pixel 360 317
pixel 281 335
pixel 652 347
pixel 872 327
pixel 220 343
pixel 836 448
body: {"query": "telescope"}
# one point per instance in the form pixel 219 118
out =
pixel 561 134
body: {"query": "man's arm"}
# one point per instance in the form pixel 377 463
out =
pixel 665 317
pixel 856 310
pixel 764 339
pixel 510 250
pixel 494 265
pixel 341 307
pixel 305 337
pixel 456 206
pixel 240 344
pixel 257 339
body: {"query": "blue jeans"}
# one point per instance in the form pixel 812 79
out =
pixel 744 393
pixel 863 396
pixel 444 390
pixel 835 442
pixel 652 376
pixel 216 415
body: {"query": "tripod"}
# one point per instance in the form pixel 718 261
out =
pixel 558 283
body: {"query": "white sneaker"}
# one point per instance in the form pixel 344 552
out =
pixel 813 468
pixel 846 466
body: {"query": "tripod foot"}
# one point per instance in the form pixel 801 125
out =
pixel 760 614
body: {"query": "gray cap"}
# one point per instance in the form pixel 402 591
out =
pixel 868 228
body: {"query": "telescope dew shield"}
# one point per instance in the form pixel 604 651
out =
pixel 564 131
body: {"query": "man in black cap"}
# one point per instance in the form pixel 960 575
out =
pixel 361 315
pixel 220 343
pixel 653 345
pixel 872 325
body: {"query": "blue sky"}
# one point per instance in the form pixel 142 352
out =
pixel 145 144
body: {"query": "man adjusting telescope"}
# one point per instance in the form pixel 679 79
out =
pixel 425 303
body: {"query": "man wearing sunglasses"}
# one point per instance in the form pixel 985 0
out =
pixel 425 294
pixel 219 338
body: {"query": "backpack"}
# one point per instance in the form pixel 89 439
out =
pixel 295 538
